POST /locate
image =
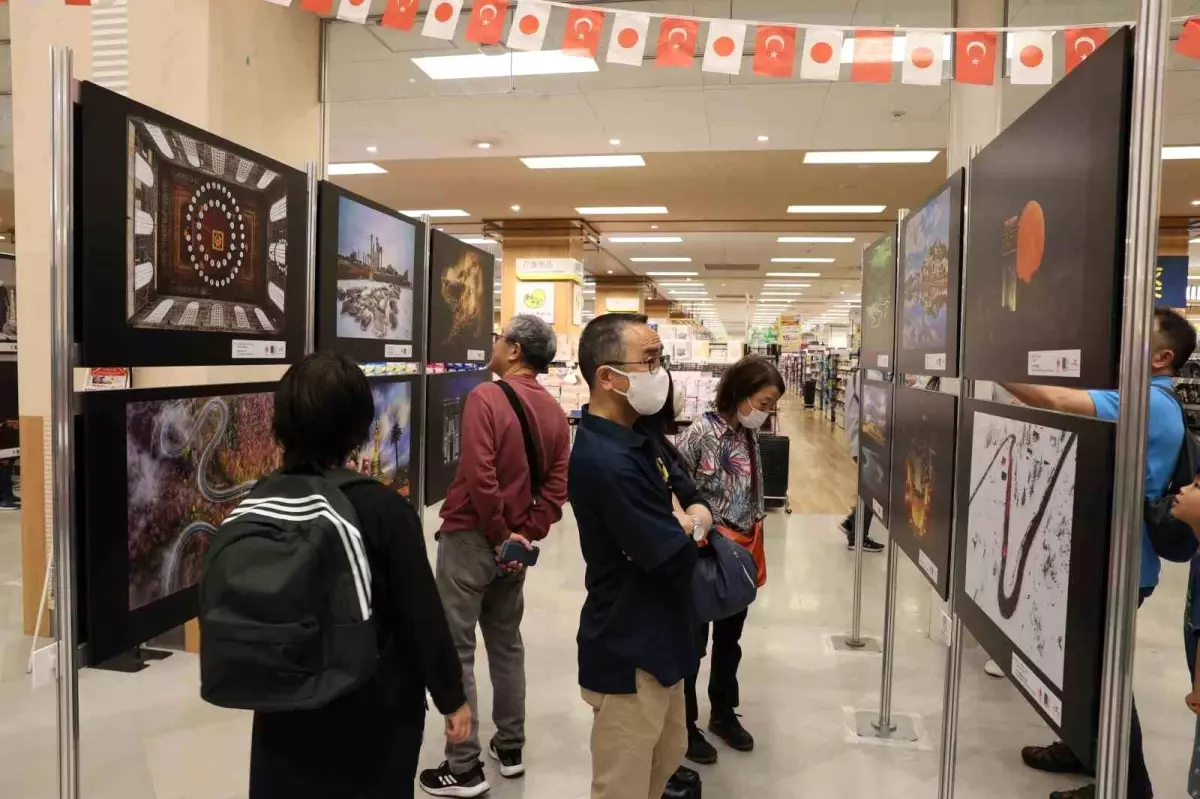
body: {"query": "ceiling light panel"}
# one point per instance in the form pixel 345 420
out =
pixel 836 209
pixel 645 239
pixel 361 168
pixel 671 259
pixel 793 274
pixel 815 239
pixel 583 161
pixel 802 260
pixel 871 157
pixel 1189 153
pixel 443 213
pixel 671 274
pixel 504 65
pixel 618 210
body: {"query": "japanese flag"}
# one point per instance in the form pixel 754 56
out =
pixel 922 59
pixel 822 59
pixel 354 10
pixel 723 53
pixel 528 30
pixel 442 19
pixel 628 42
pixel 1031 58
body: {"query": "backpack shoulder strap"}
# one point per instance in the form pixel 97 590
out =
pixel 535 471
pixel 341 479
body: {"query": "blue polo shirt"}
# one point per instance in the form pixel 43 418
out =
pixel 639 612
pixel 1163 444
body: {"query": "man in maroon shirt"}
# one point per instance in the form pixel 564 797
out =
pixel 489 503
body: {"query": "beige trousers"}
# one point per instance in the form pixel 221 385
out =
pixel 638 740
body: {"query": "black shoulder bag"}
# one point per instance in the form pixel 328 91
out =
pixel 1172 539
pixel 535 470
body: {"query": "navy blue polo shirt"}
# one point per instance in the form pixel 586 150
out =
pixel 639 612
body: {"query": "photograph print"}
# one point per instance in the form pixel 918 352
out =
pixel 879 303
pixel 1046 245
pixel 1033 521
pixel 930 267
pixel 875 448
pixel 209 238
pixel 923 480
pixel 460 305
pixel 8 303
pixel 444 435
pixel 370 268
pixel 387 454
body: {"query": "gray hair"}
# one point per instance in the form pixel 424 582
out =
pixel 538 342
pixel 603 341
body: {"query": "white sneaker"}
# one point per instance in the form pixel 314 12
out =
pixel 992 669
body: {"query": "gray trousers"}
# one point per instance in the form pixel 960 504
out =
pixel 474 590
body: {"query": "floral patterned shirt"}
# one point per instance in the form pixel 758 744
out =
pixel 718 459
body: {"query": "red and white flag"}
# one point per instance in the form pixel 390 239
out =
pixel 822 59
pixel 975 57
pixel 582 33
pixel 441 20
pixel 1189 39
pixel 354 10
pixel 486 25
pixel 627 45
pixel 1081 43
pixel 400 15
pixel 723 52
pixel 922 59
pixel 676 42
pixel 284 3
pixel 528 30
pixel 317 6
pixel 774 51
pixel 1032 64
pixel 872 57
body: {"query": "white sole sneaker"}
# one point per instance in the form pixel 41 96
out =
pixel 992 669
pixel 459 791
pixel 506 771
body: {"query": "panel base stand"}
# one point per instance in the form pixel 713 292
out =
pixel 908 731
pixel 865 644
pixel 134 660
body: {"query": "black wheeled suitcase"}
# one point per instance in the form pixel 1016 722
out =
pixel 775 453
pixel 684 784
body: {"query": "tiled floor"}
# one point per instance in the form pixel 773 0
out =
pixel 148 736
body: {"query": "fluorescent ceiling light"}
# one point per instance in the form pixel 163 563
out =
pixel 645 239
pixel 443 212
pixel 793 274
pixel 836 209
pixel 672 259
pixel 775 302
pixel 786 285
pixel 582 161
pixel 871 157
pixel 504 65
pixel 475 241
pixel 615 210
pixel 1189 153
pixel 781 294
pixel 360 168
pixel 815 239
pixel 802 260
pixel 693 284
pixel 671 274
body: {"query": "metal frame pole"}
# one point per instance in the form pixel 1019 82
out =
pixel 62 420
pixel 1145 169
pixel 884 726
pixel 855 640
pixel 419 493
pixel 310 261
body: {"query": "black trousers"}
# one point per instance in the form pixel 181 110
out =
pixel 723 696
pixel 1139 776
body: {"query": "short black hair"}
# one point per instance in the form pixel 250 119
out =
pixel 323 410
pixel 1178 334
pixel 745 379
pixel 603 341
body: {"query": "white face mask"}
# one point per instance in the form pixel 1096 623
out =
pixel 647 391
pixel 752 420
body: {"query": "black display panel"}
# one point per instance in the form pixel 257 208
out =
pixel 390 452
pixel 192 249
pixel 8 303
pixel 163 468
pixel 923 424
pixel 1031 555
pixel 930 271
pixel 879 304
pixel 460 303
pixel 875 449
pixel 370 278
pixel 1045 250
pixel 10 417
pixel 443 442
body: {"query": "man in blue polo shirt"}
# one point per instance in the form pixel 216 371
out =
pixel 1172 343
pixel 637 627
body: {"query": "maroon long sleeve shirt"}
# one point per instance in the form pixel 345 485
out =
pixel 491 489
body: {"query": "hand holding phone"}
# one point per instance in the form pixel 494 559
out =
pixel 514 552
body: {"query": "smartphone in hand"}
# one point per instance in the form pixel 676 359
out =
pixel 513 552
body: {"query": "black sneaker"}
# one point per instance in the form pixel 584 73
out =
pixel 869 544
pixel 509 760
pixel 699 749
pixel 1057 758
pixel 441 781
pixel 727 727
pixel 1086 792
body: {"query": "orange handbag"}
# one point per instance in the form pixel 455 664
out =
pixel 752 541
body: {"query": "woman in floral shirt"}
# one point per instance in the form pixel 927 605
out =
pixel 722 456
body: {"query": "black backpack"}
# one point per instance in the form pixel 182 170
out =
pixel 285 600
pixel 1172 539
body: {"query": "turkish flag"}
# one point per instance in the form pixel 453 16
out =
pixel 676 42
pixel 872 57
pixel 400 15
pixel 774 50
pixel 487 21
pixel 1189 39
pixel 317 6
pixel 1081 43
pixel 582 33
pixel 975 57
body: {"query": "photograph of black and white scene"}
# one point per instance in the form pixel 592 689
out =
pixel 875 449
pixel 1034 499
pixel 1046 241
pixel 444 434
pixel 8 302
pixel 460 304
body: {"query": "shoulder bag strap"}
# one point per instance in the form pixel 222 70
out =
pixel 750 444
pixel 535 470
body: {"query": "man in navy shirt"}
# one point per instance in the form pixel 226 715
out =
pixel 637 627
pixel 1173 341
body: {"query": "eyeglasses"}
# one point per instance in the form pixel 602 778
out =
pixel 497 336
pixel 652 364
